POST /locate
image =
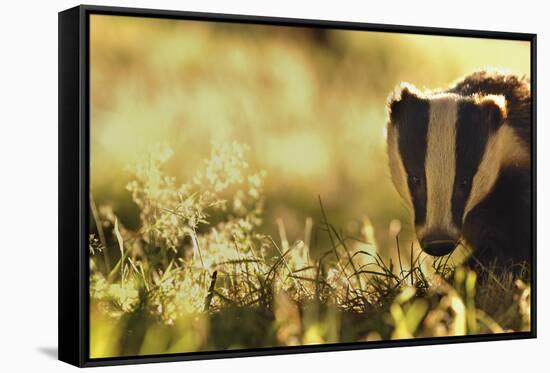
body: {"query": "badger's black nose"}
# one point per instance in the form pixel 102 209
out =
pixel 438 245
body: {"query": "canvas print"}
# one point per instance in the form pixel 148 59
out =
pixel 257 186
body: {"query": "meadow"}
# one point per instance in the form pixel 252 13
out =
pixel 240 196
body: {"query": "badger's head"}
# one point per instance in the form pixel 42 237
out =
pixel 445 153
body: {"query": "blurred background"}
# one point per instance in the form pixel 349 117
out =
pixel 309 103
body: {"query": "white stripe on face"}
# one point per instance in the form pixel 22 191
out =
pixel 504 149
pixel 398 173
pixel 440 166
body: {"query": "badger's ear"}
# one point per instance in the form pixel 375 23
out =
pixel 494 112
pixel 402 99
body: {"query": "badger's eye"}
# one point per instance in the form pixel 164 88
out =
pixel 414 180
pixel 465 183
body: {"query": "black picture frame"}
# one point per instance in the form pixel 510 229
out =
pixel 74 182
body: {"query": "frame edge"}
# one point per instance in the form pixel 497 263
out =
pixel 69 216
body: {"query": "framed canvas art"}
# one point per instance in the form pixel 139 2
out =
pixel 235 186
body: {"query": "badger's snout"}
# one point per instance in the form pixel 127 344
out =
pixel 438 244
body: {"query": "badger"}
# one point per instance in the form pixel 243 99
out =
pixel 461 160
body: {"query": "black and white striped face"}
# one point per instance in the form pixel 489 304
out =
pixel 444 156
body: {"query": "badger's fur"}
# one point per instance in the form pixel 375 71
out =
pixel 461 159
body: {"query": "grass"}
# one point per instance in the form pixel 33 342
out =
pixel 199 275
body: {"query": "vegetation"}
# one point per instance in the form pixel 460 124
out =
pixel 198 274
